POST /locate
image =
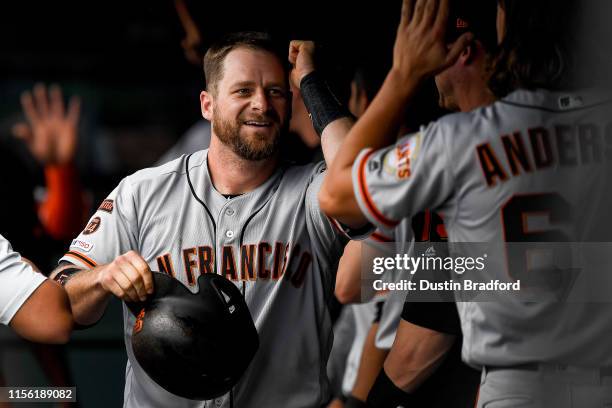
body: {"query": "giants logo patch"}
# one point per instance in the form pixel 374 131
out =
pixel 107 206
pixel 403 161
pixel 405 153
pixel 93 226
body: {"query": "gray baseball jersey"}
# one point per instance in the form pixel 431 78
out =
pixel 364 315
pixel 344 331
pixel 387 243
pixel 521 170
pixel 423 227
pixel 273 242
pixel 391 314
pixel 17 281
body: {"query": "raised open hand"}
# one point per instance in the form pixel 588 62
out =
pixel 420 49
pixel 51 131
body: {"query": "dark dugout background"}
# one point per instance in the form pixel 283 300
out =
pixel 124 58
pixel 139 94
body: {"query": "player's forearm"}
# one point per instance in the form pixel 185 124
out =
pixel 372 359
pixel 377 128
pixel 45 317
pixel 332 137
pixel 416 354
pixel 87 297
pixel 379 125
pixel 348 276
pixel 62 210
pixel 330 119
pixel 412 376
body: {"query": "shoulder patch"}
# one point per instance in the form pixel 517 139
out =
pixel 399 161
pixel 107 206
pixel 82 245
pixel 93 226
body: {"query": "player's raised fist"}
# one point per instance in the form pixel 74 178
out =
pixel 301 56
pixel 128 277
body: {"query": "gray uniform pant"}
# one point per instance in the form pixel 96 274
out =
pixel 545 386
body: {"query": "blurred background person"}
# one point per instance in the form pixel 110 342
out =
pixel 48 209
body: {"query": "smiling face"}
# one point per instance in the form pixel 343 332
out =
pixel 249 104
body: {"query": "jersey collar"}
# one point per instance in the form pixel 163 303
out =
pixel 557 101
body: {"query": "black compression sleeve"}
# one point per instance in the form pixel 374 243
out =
pixel 321 103
pixel 441 317
pixel 352 402
pixel 384 394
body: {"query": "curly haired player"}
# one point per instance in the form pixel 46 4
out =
pixel 523 170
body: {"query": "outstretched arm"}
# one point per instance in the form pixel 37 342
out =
pixel 36 308
pixel 419 53
pixel 45 317
pixel 301 55
pixel 416 354
pixel 128 277
pixel 51 134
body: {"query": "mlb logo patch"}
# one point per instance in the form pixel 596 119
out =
pixel 81 245
pixel 461 24
pixel 570 102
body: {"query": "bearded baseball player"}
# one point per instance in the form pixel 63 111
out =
pixel 35 307
pixel 523 169
pixel 237 210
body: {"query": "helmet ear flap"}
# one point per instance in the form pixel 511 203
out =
pixel 227 295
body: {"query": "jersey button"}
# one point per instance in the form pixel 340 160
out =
pixel 229 211
pixel 229 234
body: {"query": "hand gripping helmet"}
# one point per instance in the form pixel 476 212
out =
pixel 196 346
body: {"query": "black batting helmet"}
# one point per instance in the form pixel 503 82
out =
pixel 194 345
